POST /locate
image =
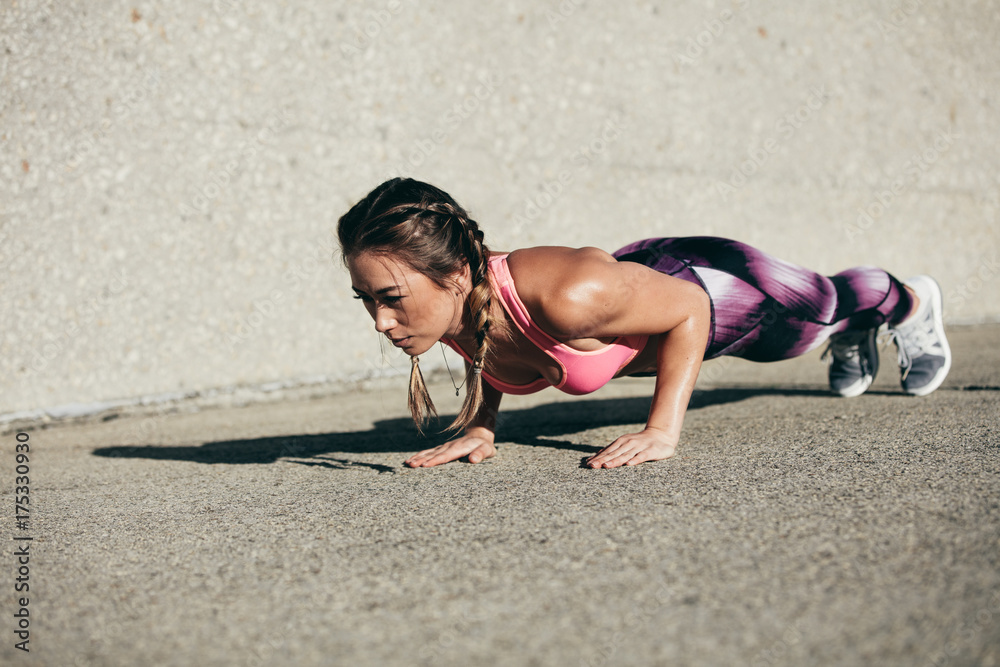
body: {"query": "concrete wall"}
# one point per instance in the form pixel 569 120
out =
pixel 171 176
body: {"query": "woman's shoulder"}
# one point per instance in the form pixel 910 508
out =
pixel 557 284
pixel 555 260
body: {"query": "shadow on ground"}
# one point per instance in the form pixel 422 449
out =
pixel 540 425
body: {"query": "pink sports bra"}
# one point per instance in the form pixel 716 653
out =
pixel 582 372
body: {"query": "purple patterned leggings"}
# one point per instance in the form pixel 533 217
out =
pixel 767 309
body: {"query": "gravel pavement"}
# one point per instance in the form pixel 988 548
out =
pixel 792 528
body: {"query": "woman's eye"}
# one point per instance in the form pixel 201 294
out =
pixel 390 300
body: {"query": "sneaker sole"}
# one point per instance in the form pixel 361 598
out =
pixel 937 307
pixel 856 389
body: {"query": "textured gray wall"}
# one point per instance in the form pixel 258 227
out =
pixel 170 176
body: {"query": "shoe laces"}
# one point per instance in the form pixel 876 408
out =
pixel 846 346
pixel 903 347
pixel 913 340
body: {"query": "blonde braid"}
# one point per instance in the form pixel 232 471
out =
pixel 480 303
pixel 418 398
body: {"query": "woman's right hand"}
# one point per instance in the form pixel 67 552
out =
pixel 477 444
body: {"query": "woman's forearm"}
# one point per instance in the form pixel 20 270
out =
pixel 678 359
pixel 485 423
pixel 679 355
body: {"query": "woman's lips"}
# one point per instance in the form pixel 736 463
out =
pixel 399 342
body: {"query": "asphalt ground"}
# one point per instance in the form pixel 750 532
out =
pixel 792 528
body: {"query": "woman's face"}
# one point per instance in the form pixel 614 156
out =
pixel 407 306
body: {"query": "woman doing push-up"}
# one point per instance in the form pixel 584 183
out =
pixel 577 318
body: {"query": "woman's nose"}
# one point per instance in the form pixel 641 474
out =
pixel 384 321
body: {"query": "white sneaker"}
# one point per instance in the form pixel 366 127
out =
pixel 924 355
pixel 853 362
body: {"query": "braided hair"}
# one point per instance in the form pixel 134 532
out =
pixel 422 226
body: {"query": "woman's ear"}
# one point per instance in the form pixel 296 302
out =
pixel 463 280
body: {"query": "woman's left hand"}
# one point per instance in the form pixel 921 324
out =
pixel 635 448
